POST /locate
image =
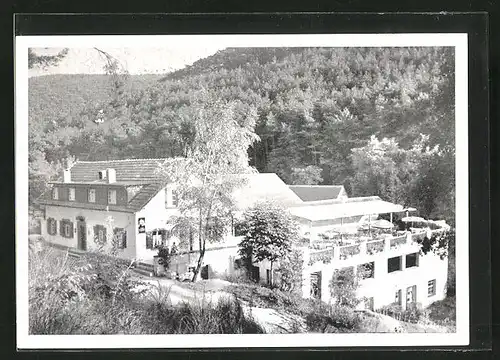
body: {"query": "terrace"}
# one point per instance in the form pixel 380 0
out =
pixel 335 250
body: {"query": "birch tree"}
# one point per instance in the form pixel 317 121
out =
pixel 206 178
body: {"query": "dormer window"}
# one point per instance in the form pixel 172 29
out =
pixel 91 195
pixel 55 193
pixel 71 194
pixel 112 197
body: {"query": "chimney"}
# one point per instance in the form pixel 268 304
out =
pixel 67 176
pixel 111 175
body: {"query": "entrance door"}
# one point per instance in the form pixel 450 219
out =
pixel 204 272
pixel 82 234
pixel 316 285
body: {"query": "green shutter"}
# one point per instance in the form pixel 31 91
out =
pixel 61 227
pixel 71 229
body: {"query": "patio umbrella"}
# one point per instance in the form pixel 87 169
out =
pixel 382 224
pixel 412 219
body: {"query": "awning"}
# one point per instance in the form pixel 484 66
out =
pixel 343 210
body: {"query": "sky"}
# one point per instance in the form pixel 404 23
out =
pixel 135 60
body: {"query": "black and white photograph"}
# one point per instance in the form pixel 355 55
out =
pixel 295 189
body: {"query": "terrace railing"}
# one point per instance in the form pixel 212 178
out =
pixel 374 247
pixel 397 242
pixel 349 251
pixel 325 256
pixel 371 247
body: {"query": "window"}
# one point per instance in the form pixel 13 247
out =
pixel 431 288
pixel 120 238
pixel 91 195
pixel 397 298
pixel 411 295
pixel 369 303
pixel 239 228
pixel 175 198
pixel 55 194
pixel 51 226
pixel 66 228
pixel 100 234
pixel 411 260
pixel 366 271
pixel 394 264
pixel 111 196
pixel 71 194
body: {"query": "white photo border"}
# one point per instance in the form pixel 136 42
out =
pixel 459 338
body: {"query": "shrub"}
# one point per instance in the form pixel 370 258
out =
pixel 442 312
pixel 319 316
pixel 343 286
pixel 290 272
pixel 164 256
pixel 333 319
pixel 226 316
pixel 95 295
pixel 413 314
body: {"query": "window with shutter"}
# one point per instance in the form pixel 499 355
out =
pixel 120 236
pixel 66 228
pixel 55 194
pixel 100 234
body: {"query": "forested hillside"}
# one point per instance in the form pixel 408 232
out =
pixel 322 115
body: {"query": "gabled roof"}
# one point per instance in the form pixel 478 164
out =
pixel 262 187
pixel 127 171
pixel 317 192
pixel 142 174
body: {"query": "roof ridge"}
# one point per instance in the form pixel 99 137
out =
pixel 319 185
pixel 119 160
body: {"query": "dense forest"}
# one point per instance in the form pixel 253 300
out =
pixel 380 121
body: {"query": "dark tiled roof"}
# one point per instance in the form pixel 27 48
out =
pixel 130 170
pixel 143 196
pixel 317 192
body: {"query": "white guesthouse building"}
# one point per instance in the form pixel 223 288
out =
pixel 128 198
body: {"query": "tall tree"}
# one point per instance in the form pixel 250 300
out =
pixel 270 232
pixel 207 176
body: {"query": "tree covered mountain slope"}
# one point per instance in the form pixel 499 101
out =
pixel 321 114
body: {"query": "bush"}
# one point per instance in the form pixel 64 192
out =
pixel 95 295
pixel 333 319
pixel 443 312
pixel 319 316
pixel 413 314
pixel 226 316
pixel 259 296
